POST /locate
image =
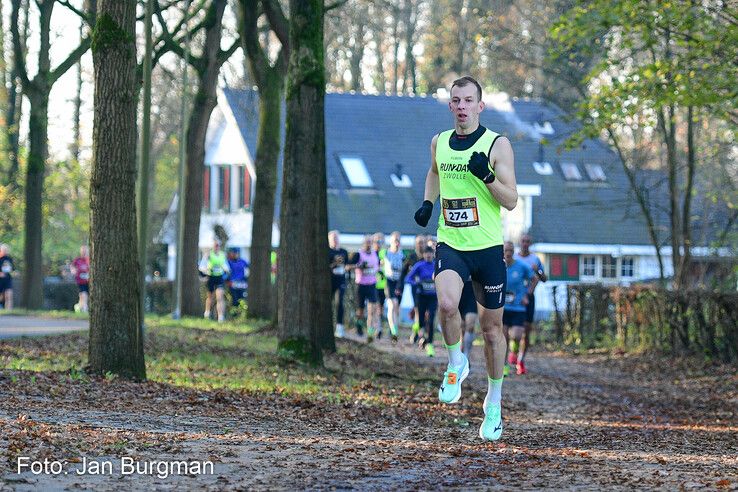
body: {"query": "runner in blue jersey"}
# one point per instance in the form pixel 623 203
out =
pixel 516 300
pixel 525 255
pixel 238 278
pixel 421 276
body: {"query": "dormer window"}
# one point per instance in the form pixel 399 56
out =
pixel 571 171
pixel 400 179
pixel 543 168
pixel 544 128
pixel 356 172
pixel 595 172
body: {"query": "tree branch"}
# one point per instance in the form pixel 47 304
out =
pixel 277 21
pixel 73 57
pixel 82 15
pixel 224 55
pixel 334 5
pixel 19 59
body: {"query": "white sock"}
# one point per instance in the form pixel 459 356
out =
pixel 455 356
pixel 468 342
pixel 494 392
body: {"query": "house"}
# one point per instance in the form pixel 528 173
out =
pixel 575 203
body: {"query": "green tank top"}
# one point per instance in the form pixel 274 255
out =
pixel 381 278
pixel 216 261
pixel 470 215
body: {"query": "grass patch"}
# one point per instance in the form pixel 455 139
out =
pixel 234 356
pixel 50 314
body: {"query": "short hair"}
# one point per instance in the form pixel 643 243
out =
pixel 428 249
pixel 464 81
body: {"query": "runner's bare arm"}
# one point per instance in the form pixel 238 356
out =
pixel 432 184
pixel 504 187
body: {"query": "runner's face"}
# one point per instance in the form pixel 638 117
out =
pixel 525 244
pixel 428 256
pixel 466 107
pixel 508 250
pixel 333 241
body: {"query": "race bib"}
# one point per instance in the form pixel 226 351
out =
pixel 509 297
pixel 238 284
pixel 460 212
pixel 369 271
pixel 7 268
pixel 217 271
pixel 429 287
pixel 339 270
pixel 84 276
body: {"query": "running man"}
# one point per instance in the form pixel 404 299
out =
pixel 337 261
pixel 410 261
pixel 421 277
pixel 529 258
pixel 81 270
pixel 238 279
pixel 378 246
pixel 215 265
pixel 393 262
pixel 7 267
pixel 468 311
pixel 366 263
pixel 472 169
pixel 516 300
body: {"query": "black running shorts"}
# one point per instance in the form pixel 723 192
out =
pixel 486 267
pixel 513 318
pixel 468 303
pixel 530 309
pixel 364 294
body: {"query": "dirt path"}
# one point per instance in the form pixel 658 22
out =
pixel 572 423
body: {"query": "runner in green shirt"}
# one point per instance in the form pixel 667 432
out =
pixel 472 169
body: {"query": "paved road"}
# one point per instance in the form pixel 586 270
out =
pixel 19 326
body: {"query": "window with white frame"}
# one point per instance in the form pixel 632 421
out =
pixel 589 266
pixel 571 171
pixel 356 172
pixel 595 172
pixel 543 168
pixel 627 266
pixel 609 267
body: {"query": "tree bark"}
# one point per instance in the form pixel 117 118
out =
pixel 303 287
pixel 116 343
pixel 208 68
pixel 667 127
pixel 32 293
pixel 687 202
pixel 270 80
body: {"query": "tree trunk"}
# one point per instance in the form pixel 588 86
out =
pixel 204 103
pixel 667 126
pixel 303 287
pixel 687 203
pixel 33 294
pixel 395 48
pixel 116 343
pixel 75 147
pixel 267 153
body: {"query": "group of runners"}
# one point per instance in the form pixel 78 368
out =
pixel 221 271
pixel 380 275
pixel 472 171
pixel 79 268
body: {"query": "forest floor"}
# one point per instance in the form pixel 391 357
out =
pixel 369 420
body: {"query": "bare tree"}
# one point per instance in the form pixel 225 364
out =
pixel 37 90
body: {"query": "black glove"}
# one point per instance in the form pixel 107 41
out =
pixel 423 214
pixel 479 167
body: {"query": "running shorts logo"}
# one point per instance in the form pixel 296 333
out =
pixel 460 212
pixel 491 289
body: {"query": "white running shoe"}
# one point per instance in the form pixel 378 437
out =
pixel 340 331
pixel 206 315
